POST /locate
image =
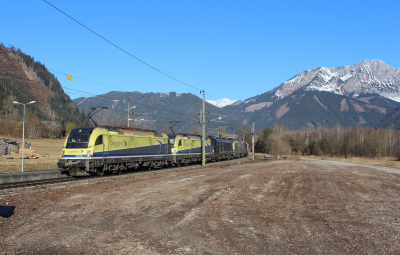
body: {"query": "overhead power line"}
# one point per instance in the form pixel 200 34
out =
pixel 113 98
pixel 124 52
pixel 156 108
pixel 83 79
pixel 108 86
pixel 118 89
pixel 80 92
pixel 116 46
pixel 9 75
pixel 89 93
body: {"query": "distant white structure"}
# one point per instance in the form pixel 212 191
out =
pixel 222 102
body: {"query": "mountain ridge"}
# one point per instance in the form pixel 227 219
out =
pixel 159 107
pixel 370 81
pixel 315 109
pixel 363 94
pixel 24 79
pixel 314 98
pixel 344 80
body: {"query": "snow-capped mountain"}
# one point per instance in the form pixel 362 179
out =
pixel 222 102
pixel 360 94
pixel 369 76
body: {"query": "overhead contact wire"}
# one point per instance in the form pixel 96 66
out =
pixel 88 93
pixel 108 86
pixel 156 108
pixel 169 76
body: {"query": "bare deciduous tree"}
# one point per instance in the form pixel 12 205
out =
pixel 275 145
pixel 196 130
pixel 33 127
pixel 244 133
pixel 166 129
pixel 222 131
pixel 69 126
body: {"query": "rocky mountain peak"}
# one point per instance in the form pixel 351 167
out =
pixel 222 102
pixel 368 76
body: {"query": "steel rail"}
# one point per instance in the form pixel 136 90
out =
pixel 141 172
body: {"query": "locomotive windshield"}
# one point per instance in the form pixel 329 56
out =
pixel 172 140
pixel 79 138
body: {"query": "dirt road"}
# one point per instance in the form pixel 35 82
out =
pixel 279 207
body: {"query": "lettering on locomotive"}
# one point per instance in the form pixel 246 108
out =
pixel 118 143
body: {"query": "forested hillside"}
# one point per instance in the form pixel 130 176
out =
pixel 23 79
pixel 391 120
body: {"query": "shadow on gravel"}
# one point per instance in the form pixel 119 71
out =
pixel 6 210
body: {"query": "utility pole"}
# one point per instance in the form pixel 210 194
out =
pixel 252 140
pixel 203 119
pixel 128 111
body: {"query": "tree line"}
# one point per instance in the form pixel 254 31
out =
pixel 34 128
pixel 336 141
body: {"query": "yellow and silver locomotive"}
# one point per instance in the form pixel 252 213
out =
pixel 105 150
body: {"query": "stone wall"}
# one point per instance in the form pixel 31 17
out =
pixel 7 146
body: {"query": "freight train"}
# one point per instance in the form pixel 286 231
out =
pixel 110 150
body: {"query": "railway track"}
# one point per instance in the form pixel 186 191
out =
pixel 25 184
pixel 48 182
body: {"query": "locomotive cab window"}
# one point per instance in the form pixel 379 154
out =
pixel 180 143
pixel 79 137
pixel 99 140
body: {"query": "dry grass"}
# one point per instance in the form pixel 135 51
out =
pixel 49 149
pixel 384 161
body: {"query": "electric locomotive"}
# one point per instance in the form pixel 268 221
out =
pixel 187 148
pixel 106 150
pixel 99 150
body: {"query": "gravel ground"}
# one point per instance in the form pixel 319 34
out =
pixel 278 207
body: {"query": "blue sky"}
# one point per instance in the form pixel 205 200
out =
pixel 232 49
